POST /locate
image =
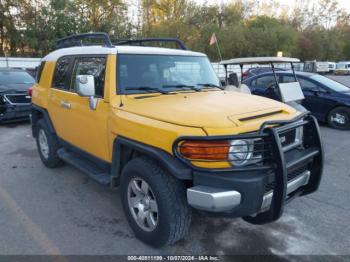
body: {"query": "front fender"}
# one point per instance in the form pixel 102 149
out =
pixel 123 149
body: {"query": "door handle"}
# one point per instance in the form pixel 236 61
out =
pixel 65 105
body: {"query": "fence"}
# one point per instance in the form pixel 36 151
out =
pixel 19 62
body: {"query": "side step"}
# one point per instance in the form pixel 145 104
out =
pixel 85 166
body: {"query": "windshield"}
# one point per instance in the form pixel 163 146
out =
pixel 164 73
pixel 15 77
pixel 336 86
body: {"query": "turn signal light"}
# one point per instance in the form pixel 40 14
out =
pixel 205 150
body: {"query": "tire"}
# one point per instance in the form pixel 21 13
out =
pixel 48 153
pixel 172 220
pixel 339 118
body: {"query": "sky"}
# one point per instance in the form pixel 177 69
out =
pixel 342 3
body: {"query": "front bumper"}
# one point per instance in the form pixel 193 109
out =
pixel 264 191
pixel 213 199
pixel 14 113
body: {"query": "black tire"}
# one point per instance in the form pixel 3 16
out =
pixel 344 112
pixel 51 159
pixel 174 215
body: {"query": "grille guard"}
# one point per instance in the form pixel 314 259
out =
pixel 269 131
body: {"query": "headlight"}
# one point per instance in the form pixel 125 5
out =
pixel 240 152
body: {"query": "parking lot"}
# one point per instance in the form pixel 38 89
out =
pixel 62 211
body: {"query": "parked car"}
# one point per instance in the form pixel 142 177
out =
pixel 327 99
pixel 14 97
pixel 291 93
pixel 343 68
pixel 320 67
pixel 259 70
pixel 156 122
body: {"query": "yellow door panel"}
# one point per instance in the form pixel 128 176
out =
pixel 74 120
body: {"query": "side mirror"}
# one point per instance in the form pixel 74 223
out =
pixel 85 87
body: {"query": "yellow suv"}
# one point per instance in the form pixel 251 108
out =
pixel 156 122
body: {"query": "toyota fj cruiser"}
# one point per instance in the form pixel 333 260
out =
pixel 156 122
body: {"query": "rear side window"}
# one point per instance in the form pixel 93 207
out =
pixel 39 72
pixel 61 73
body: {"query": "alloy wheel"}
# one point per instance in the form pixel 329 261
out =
pixel 142 204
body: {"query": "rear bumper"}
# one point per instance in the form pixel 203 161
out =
pixel 262 192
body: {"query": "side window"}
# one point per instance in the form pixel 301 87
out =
pixel 305 84
pixel 95 66
pixel 288 79
pixel 265 82
pixel 61 73
pixel 39 71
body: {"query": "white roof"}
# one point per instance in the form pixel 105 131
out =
pixel 259 60
pixel 101 50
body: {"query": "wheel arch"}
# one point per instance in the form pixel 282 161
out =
pixel 37 114
pixel 125 150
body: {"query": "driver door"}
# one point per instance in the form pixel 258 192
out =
pixel 73 119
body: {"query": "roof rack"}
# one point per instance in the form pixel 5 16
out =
pixel 88 39
pixel 77 40
pixel 142 41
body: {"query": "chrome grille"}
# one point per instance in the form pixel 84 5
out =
pixel 292 138
pixel 17 99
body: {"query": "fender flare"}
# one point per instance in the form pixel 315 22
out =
pixel 35 117
pixel 122 148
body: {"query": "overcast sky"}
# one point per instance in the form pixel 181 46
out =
pixel 342 3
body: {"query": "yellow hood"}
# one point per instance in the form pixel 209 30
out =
pixel 211 109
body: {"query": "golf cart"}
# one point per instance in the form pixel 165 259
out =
pixel 289 93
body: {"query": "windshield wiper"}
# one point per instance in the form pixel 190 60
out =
pixel 210 85
pixel 147 88
pixel 182 86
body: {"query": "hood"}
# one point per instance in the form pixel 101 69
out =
pixel 211 109
pixel 14 88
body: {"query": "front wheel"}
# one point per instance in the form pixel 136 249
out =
pixel 154 203
pixel 339 118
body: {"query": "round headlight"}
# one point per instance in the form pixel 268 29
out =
pixel 240 152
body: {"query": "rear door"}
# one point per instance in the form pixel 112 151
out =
pixel 73 119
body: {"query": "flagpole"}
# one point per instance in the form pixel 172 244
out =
pixel 217 45
pixel 213 40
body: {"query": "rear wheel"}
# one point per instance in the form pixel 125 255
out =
pixel 47 146
pixel 339 118
pixel 154 203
